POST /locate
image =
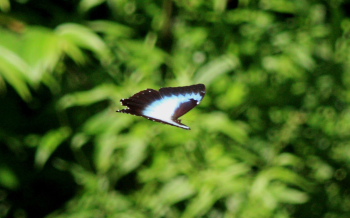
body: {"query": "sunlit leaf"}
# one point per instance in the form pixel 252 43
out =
pixel 86 5
pixel 216 68
pixel 219 122
pixel 13 69
pixel 106 122
pixel 176 190
pixel 42 51
pixel 5 5
pixel 97 94
pixel 200 204
pixel 134 155
pixel 287 176
pixel 75 35
pixel 289 195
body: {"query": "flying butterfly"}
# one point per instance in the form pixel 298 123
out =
pixel 166 105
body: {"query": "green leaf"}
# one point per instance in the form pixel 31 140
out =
pixel 220 122
pixel 8 178
pixel 42 51
pixel 111 29
pixel 289 195
pixel 200 204
pixel 86 5
pixel 5 5
pixel 76 36
pixel 99 93
pixel 13 69
pixel 49 143
pixel 215 68
pixel 135 153
pixel 175 190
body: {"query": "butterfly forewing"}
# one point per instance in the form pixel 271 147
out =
pixel 139 101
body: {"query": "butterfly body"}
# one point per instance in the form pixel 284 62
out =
pixel 165 105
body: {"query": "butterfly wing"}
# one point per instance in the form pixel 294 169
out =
pixel 138 102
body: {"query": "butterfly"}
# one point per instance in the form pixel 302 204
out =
pixel 166 105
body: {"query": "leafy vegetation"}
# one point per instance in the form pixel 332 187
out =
pixel 270 139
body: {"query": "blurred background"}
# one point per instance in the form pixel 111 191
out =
pixel 270 139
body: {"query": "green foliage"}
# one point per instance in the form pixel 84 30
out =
pixel 270 139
